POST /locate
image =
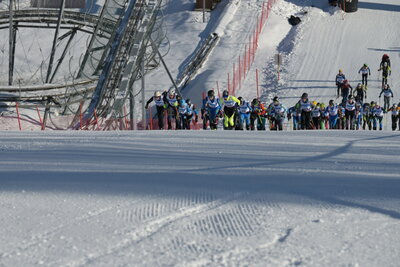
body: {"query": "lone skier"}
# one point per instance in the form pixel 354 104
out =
pixel 365 71
pixel 340 78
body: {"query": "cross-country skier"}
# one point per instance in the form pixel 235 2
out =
pixel 158 98
pixel 350 113
pixel 244 114
pixel 340 77
pixel 257 115
pixel 171 104
pixel 316 115
pixel 361 93
pixel 367 115
pixel 305 108
pixel 181 118
pixel 276 112
pixel 324 121
pixel 191 112
pixel 342 116
pixel 386 72
pixel 377 112
pixel 359 115
pixel 294 113
pixel 229 103
pixel 395 110
pixel 210 110
pixel 365 71
pixel 387 94
pixel 346 91
pixel 333 109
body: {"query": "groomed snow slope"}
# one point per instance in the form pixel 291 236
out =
pixel 328 198
pixel 328 40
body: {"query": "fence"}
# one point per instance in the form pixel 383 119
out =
pixel 242 65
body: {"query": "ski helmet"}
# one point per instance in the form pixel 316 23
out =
pixel 351 97
pixel 386 86
pixel 255 101
pixel 188 101
pixel 171 91
pixel 304 96
pixel 359 85
pixel 182 102
pixel 314 103
pixel 210 93
pixel 157 93
pixel 340 71
pixel 331 102
pixel 275 99
pixel 225 93
pixel 365 65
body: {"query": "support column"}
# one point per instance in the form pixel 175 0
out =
pixel 53 50
pixel 11 43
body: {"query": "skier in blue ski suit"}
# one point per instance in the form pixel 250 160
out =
pixel 244 113
pixel 210 110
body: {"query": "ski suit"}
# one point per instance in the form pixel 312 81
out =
pixel 305 111
pixel 387 94
pixel 377 112
pixel 191 112
pixel 359 117
pixel 316 117
pixel 258 115
pixel 339 82
pixel 295 114
pixel 365 71
pixel 160 107
pixel 171 104
pixel 346 91
pixel 210 110
pixel 386 72
pixel 395 116
pixel 229 105
pixel 350 114
pixel 333 115
pixel 277 115
pixel 367 117
pixel 342 117
pixel 244 113
pixel 361 94
pixel 181 119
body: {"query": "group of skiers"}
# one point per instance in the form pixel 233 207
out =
pixel 350 115
pixel 237 113
pixel 177 109
pixel 367 112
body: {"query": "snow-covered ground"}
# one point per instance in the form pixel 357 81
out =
pixel 221 198
pixel 199 198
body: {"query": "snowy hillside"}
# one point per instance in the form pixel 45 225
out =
pixel 199 199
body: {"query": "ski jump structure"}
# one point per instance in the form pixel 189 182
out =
pixel 124 43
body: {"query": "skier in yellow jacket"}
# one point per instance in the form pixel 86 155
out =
pixel 229 103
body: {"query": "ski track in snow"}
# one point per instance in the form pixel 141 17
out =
pixel 201 199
